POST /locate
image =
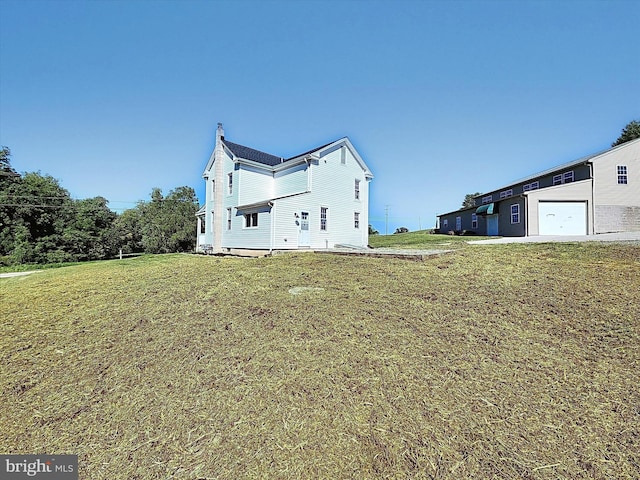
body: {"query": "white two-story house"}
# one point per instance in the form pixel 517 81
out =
pixel 258 202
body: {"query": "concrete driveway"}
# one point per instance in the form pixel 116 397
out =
pixel 603 237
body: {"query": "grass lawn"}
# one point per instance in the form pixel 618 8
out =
pixel 497 361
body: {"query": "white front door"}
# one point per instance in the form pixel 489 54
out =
pixel 492 225
pixel 304 240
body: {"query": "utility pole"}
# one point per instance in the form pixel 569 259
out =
pixel 386 219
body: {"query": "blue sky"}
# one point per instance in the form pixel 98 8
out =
pixel 440 98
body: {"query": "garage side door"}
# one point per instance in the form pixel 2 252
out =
pixel 562 218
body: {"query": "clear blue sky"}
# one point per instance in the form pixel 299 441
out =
pixel 441 98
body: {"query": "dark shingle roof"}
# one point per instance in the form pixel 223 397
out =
pixel 252 154
pixel 310 151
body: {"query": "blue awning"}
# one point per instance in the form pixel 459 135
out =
pixel 487 209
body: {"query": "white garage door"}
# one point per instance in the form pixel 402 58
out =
pixel 562 218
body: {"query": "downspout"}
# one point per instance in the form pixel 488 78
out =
pixel 273 228
pixel 526 215
pixel 591 224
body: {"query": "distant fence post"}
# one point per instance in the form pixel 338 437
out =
pixel 120 254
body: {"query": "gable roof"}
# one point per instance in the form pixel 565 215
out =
pixel 252 154
pixel 561 167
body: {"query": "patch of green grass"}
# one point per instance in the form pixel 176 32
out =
pixel 500 361
pixel 422 239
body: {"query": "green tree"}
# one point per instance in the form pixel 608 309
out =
pixel 129 231
pixel 630 132
pixel 469 201
pixel 6 170
pixel 373 231
pixel 34 210
pixel 167 223
pixel 92 234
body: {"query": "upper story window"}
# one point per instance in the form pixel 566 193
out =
pixel 506 193
pixel 323 218
pixel 250 220
pixel 230 183
pixel 343 156
pixel 566 177
pixel 531 186
pixel 487 199
pixel 622 175
pixel 357 189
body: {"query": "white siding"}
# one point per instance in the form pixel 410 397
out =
pixel 606 189
pixel 577 192
pixel 253 184
pixel 291 181
pixel 251 238
pixel 287 225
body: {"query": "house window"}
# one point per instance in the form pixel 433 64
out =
pixel 213 186
pixel 531 186
pixel 228 219
pixel 474 220
pixel 557 179
pixel 515 213
pixel 458 223
pixel 343 156
pixel 356 220
pixel 445 223
pixel 506 193
pixel 357 189
pixel 567 177
pixel 230 183
pixel 487 199
pixel 323 218
pixel 250 220
pixel 622 174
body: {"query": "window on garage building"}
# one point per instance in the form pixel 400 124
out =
pixel 487 199
pixel 474 220
pixel 622 174
pixel 515 213
pixel 567 177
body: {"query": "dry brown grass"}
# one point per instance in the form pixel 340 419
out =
pixel 502 361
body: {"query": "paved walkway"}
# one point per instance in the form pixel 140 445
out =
pixel 602 237
pixel 407 253
pixel 17 274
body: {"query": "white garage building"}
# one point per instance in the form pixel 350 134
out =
pixel 599 193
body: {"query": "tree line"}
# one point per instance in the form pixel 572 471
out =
pixel 41 223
